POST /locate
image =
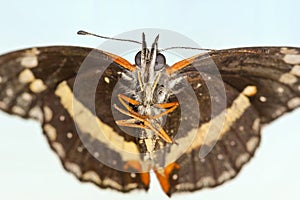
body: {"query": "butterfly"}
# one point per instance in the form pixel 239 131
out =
pixel 195 123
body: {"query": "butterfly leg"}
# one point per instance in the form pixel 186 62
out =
pixel 152 125
pixel 122 98
pixel 172 106
pixel 131 123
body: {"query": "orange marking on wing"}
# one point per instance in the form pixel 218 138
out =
pixel 145 178
pixel 171 167
pixel 163 176
pixel 121 61
pixel 180 65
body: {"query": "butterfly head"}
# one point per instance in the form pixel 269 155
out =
pixel 150 65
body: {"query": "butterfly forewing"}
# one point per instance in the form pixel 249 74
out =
pixel 28 74
pixel 274 71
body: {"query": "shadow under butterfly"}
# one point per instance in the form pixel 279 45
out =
pixel 260 84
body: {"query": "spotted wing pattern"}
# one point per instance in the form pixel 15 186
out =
pixel 28 82
pixel 261 85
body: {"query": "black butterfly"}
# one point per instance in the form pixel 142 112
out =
pixel 260 84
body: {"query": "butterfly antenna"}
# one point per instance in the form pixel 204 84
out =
pixel 190 48
pixel 81 32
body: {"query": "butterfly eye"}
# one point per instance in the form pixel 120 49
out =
pixel 160 62
pixel 137 58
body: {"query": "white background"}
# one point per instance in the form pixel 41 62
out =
pixel 30 170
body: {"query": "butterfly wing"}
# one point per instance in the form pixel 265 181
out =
pixel 29 83
pixel 261 84
pixel 273 71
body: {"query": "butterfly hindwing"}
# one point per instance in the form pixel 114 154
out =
pixel 67 140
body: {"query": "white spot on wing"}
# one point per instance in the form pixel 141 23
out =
pixel 48 113
pixel 292 59
pixel 62 118
pixel 59 149
pixel 69 135
pixel 50 131
pixel 293 103
pixel 29 61
pixel 232 143
pixel 91 176
pixel 18 110
pixel 206 181
pixel 26 76
pixel 26 97
pixel 80 149
pixel 243 158
pixel 241 128
pixel 23 100
pixel 36 113
pixel 220 157
pixel 96 154
pixel 250 91
pixel 252 144
pixel 198 85
pixel 280 90
pixel 132 175
pixel 9 92
pixel 74 168
pixel 130 186
pixel 288 78
pixel 285 50
pixel 37 86
pixel 112 183
pixel 256 125
pixel 175 177
pixel 263 99
pixel 226 175
pixel 185 186
pixel 296 70
pixel 106 79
